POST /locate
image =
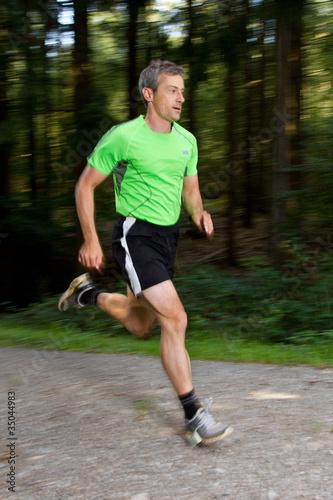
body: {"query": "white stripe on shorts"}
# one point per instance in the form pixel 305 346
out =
pixel 129 266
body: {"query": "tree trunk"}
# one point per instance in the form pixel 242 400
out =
pixel 5 145
pixel 288 104
pixel 295 105
pixel 263 192
pixel 231 119
pixel 191 90
pixel 248 167
pixel 82 79
pixel 281 155
pixel 82 92
pixel 132 57
pixel 31 89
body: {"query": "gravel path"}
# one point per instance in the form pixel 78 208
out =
pixel 99 426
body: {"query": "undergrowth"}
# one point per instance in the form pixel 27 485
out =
pixel 263 310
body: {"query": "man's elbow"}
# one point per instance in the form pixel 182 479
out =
pixel 82 187
pixel 83 181
pixel 78 187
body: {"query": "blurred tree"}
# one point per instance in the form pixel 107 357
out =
pixel 265 52
pixel 232 46
pixel 254 114
pixel 5 137
pixel 195 54
pixel 286 160
pixel 27 67
pixel 129 29
pixel 32 59
pixel 197 24
pixel 316 202
pixel 249 112
pixel 133 9
pixel 27 208
pixel 83 87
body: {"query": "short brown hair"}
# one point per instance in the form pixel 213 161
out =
pixel 150 76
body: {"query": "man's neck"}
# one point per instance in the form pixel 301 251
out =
pixel 157 124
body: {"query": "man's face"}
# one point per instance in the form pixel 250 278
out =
pixel 168 97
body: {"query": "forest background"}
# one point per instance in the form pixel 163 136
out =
pixel 259 100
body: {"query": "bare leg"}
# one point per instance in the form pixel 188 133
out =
pixel 128 310
pixel 137 315
pixel 163 302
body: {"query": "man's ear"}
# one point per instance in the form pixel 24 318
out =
pixel 147 94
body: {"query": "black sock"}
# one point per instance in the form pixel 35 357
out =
pixel 89 297
pixel 190 404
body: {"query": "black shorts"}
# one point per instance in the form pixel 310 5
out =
pixel 144 252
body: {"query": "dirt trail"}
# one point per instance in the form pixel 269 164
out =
pixel 98 426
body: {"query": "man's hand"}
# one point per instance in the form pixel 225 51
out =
pixel 193 204
pixel 92 257
pixel 204 222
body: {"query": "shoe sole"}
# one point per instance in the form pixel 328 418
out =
pixel 229 430
pixel 70 290
pixel 193 440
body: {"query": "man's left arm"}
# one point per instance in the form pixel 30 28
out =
pixel 193 204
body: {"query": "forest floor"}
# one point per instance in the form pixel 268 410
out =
pixel 105 426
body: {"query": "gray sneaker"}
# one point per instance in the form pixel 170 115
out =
pixel 73 293
pixel 204 428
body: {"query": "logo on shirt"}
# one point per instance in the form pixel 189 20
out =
pixel 185 152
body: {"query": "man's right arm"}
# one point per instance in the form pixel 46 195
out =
pixel 91 253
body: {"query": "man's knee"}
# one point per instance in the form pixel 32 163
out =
pixel 177 322
pixel 182 319
pixel 139 325
pixel 139 330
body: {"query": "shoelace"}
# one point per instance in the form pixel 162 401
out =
pixel 208 403
pixel 206 417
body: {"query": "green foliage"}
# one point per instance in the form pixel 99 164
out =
pixel 261 316
pixel 317 202
pixel 268 305
pixel 42 326
pixel 42 315
pixel 262 305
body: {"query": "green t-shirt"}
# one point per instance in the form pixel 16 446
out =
pixel 148 169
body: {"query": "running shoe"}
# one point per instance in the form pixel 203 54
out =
pixel 74 292
pixel 204 428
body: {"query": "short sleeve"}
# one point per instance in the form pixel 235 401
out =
pixel 105 155
pixel 191 168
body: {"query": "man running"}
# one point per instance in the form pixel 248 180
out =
pixel 154 165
